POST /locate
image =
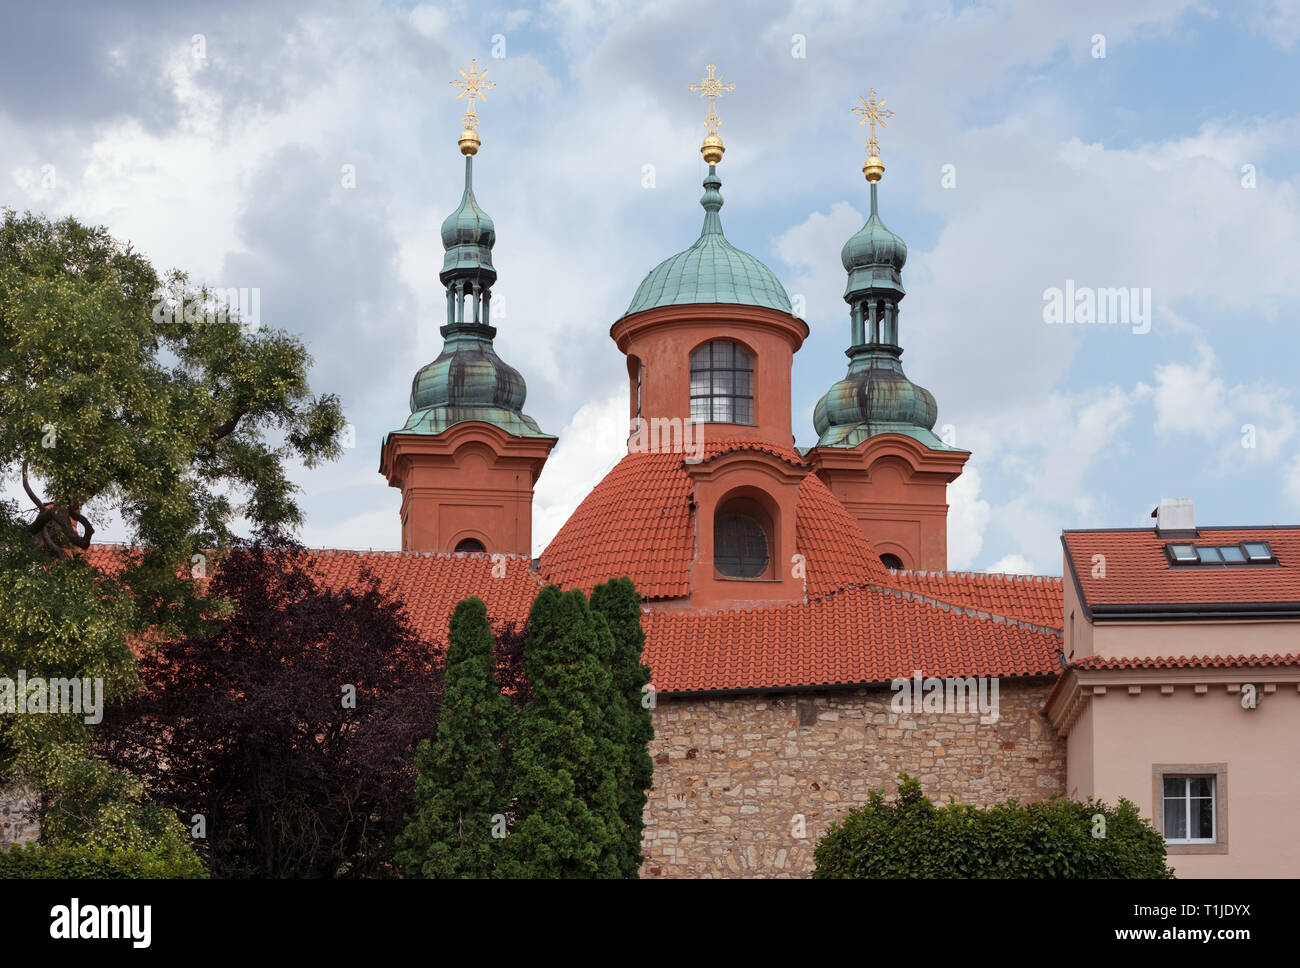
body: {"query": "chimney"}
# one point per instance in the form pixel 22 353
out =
pixel 1175 516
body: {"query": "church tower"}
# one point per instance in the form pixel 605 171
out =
pixel 876 447
pixel 468 456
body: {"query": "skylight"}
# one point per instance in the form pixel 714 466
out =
pixel 1245 553
pixel 1258 551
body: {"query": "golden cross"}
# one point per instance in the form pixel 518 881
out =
pixel 873 114
pixel 712 88
pixel 474 86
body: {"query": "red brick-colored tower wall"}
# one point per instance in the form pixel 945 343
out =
pixel 658 343
pixel 897 490
pixel 473 481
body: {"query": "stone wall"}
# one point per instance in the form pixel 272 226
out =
pixel 16 823
pixel 734 775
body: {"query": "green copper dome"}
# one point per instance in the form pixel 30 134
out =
pixel 873 256
pixel 876 397
pixel 468 381
pixel 712 270
pixel 468 234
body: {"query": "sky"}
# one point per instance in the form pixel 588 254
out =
pixel 1145 145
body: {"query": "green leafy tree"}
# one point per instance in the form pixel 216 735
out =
pixel 461 784
pixel 564 774
pixel 620 604
pixel 124 394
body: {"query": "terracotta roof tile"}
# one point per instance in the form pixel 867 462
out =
pixel 1186 662
pixel 1029 598
pixel 860 635
pixel 855 635
pixel 637 522
pixel 836 552
pixel 1138 572
pixel 430 585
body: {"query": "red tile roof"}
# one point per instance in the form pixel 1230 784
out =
pixel 1138 572
pixel 1030 598
pixel 1186 662
pixel 860 635
pixel 728 445
pixel 637 522
pixel 429 585
pixel 854 635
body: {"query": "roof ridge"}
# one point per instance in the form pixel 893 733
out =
pixel 995 617
pixel 971 575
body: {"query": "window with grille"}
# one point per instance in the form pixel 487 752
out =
pixel 722 383
pixel 739 546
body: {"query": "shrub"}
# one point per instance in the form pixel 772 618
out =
pixel 1056 838
pixel 75 861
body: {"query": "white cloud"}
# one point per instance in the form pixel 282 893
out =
pixel 592 443
pixel 1013 565
pixel 968 516
pixel 1189 398
pixel 1291 481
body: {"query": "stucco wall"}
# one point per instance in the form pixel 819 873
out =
pixel 733 775
pixel 1134 731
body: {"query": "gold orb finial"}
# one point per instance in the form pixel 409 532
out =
pixel 472 86
pixel 712 87
pixel 873 112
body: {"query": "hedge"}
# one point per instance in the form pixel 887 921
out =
pixel 41 861
pixel 1056 838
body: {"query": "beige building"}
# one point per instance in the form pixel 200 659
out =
pixel 1182 690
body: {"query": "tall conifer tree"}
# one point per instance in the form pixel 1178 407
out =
pixel 462 773
pixel 620 604
pixel 564 759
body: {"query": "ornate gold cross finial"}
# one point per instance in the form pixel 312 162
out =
pixel 472 86
pixel 712 87
pixel 873 112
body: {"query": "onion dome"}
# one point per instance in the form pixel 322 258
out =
pixel 873 256
pixel 468 381
pixel 712 270
pixel 468 235
pixel 875 397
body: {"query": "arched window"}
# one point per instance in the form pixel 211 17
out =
pixel 740 546
pixel 722 383
pixel 891 561
pixel 471 545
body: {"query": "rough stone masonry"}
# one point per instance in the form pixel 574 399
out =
pixel 738 779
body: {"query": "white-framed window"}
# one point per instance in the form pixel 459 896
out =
pixel 1189 809
pixel 1189 806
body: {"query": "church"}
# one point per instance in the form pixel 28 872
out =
pixel 806 641
pixel 788 592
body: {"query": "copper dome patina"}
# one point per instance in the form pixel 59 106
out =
pixel 874 256
pixel 468 235
pixel 875 397
pixel 712 270
pixel 468 381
